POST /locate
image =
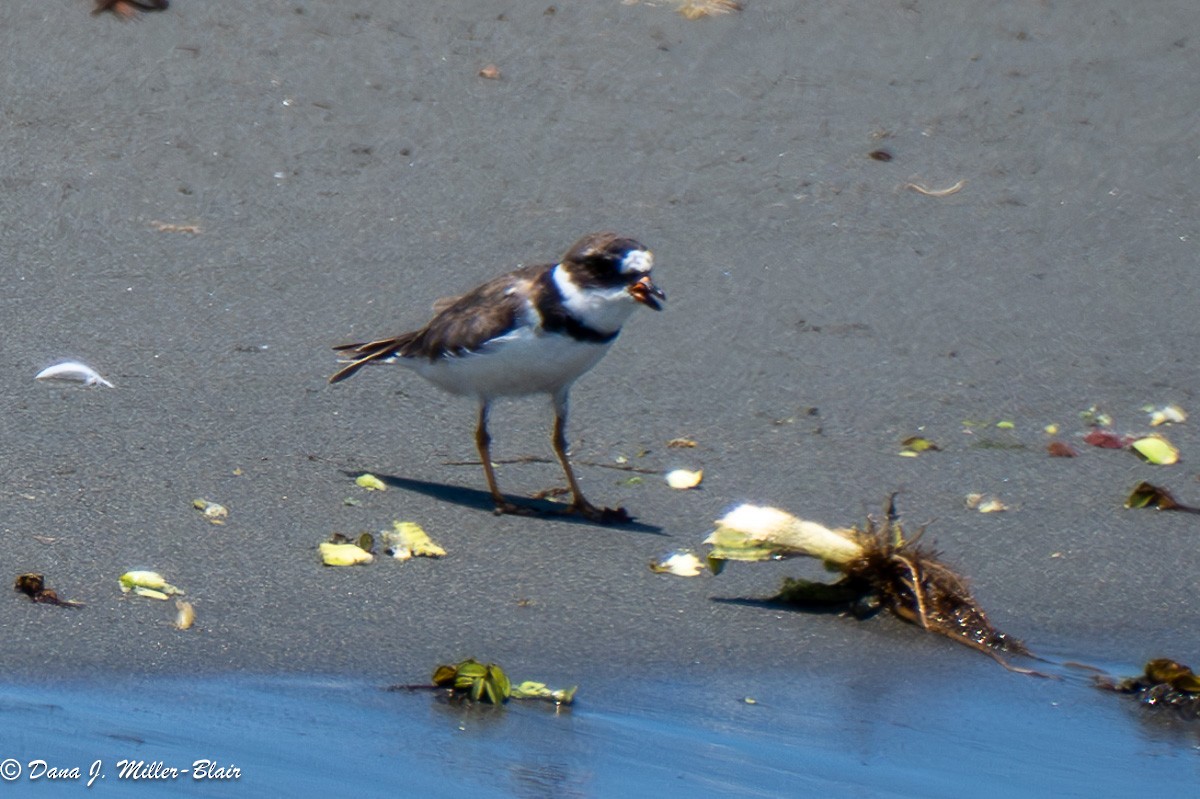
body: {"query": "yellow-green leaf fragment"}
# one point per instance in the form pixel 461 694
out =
pixel 472 668
pixel 500 682
pixel 475 679
pixel 1006 425
pixel 343 554
pixel 915 445
pixel 1156 450
pixel 684 478
pixel 406 540
pixel 212 511
pixel 444 674
pixel 1148 495
pixel 370 482
pixel 539 690
pixel 147 581
pixel 681 564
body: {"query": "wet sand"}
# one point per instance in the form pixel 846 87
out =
pixel 199 204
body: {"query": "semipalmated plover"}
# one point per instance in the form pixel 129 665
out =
pixel 534 330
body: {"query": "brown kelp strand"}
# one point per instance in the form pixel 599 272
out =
pixel 913 583
pixel 881 569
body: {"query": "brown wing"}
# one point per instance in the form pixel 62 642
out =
pixel 465 324
pixel 460 325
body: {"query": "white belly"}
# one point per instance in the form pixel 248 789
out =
pixel 517 364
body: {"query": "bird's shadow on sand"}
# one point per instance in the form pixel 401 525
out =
pixel 477 499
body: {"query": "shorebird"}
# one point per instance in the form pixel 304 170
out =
pixel 534 330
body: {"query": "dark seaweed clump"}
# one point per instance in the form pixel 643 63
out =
pixel 1164 683
pixel 911 582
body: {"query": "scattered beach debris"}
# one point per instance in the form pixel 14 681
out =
pixel 1157 450
pixel 370 482
pixel 684 478
pixel 1105 438
pixel 151 585
pixel 341 551
pixel 538 690
pixel 985 504
pixel 490 72
pixel 915 445
pixel 478 682
pixel 682 563
pixel 757 533
pixel 407 540
pixel 919 189
pixel 881 570
pixel 1092 416
pixel 681 443
pixel 699 9
pixel 214 512
pixel 879 155
pixel 175 227
pixel 1167 414
pixel 185 614
pixel 696 9
pixel 473 680
pixel 33 585
pixel 128 9
pixel 986 434
pixel 1060 449
pixel 1148 495
pixel 73 372
pixel 1163 683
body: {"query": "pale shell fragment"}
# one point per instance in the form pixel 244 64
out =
pixel 73 372
pixel 684 478
pixel 212 511
pixel 985 504
pixel 185 616
pixel 681 564
pixel 1168 414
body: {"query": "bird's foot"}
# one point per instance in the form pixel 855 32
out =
pixel 601 515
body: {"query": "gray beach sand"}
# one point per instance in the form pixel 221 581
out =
pixel 201 203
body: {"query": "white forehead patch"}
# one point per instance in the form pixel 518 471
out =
pixel 639 261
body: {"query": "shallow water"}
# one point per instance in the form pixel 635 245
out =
pixel 873 733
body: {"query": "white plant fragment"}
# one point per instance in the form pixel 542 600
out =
pixel 73 372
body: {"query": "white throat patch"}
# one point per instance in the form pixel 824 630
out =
pixel 602 309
